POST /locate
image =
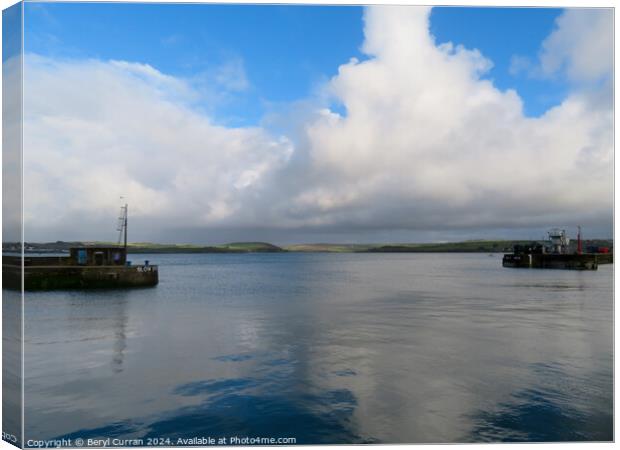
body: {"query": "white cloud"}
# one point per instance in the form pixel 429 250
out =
pixel 426 144
pixel 96 130
pixel 581 45
pixel 231 75
pixel 11 142
pixel 520 64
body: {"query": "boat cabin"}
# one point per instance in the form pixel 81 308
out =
pixel 99 256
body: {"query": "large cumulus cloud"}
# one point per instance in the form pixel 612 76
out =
pixel 95 131
pixel 426 143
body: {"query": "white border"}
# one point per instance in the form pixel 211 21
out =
pixel 488 3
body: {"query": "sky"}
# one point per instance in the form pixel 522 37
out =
pixel 316 123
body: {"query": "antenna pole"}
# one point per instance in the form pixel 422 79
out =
pixel 125 227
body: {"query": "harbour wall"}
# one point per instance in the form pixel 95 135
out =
pixel 45 277
pixel 551 261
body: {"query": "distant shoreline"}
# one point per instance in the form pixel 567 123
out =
pixel 473 246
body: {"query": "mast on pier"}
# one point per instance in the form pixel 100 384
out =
pixel 122 226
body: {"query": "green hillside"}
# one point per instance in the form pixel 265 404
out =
pixel 474 246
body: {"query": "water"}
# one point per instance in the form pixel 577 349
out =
pixel 327 348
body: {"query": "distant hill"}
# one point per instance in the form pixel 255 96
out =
pixel 451 247
pixel 331 248
pixel 474 246
pixel 467 246
pixel 252 247
pixel 148 247
pixel 477 246
pixel 233 247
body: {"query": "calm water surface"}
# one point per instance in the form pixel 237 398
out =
pixel 327 348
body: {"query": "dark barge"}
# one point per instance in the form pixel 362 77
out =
pixel 84 268
pixel 538 260
pixel 555 254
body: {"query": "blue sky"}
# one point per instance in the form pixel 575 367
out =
pixel 285 51
pixel 500 34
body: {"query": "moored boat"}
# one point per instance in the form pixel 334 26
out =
pixel 554 254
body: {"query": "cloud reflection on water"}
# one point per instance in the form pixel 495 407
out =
pixel 327 348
